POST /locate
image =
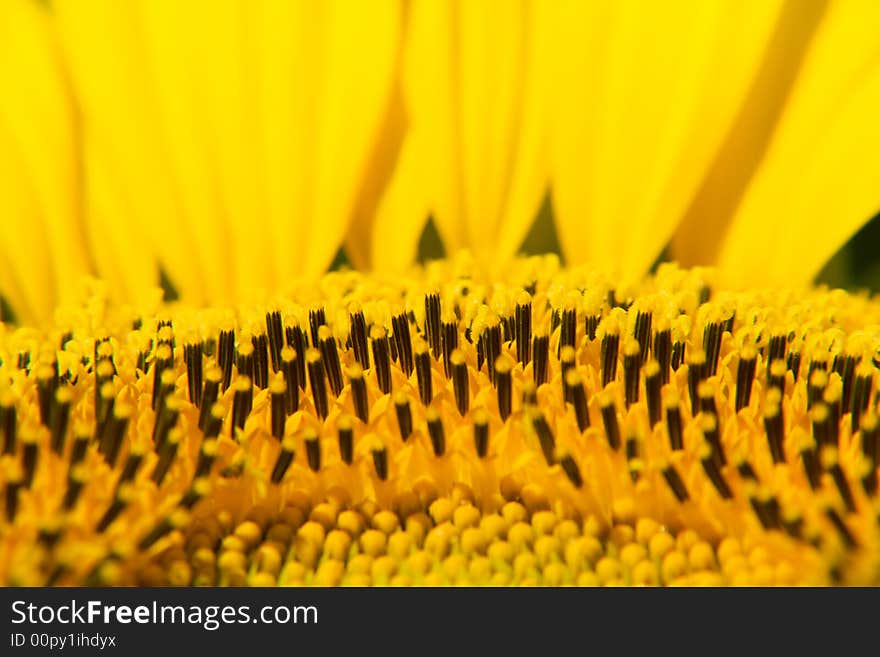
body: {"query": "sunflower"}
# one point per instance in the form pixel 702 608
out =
pixel 189 396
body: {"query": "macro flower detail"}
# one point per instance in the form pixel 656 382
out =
pixel 227 356
pixel 449 429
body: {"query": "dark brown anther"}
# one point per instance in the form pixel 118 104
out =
pixel 214 422
pixel 712 334
pixel 47 382
pixel 432 322
pixel 317 319
pixel 745 376
pixel 296 340
pixel 793 362
pixel 8 423
pixel 493 346
pixel 609 420
pixel 696 373
pixel 504 387
pixel 830 461
pixel 318 383
pixel 663 353
pixel 861 394
pixel 380 462
pixel 226 356
pixel 207 456
pixel 481 433
pixel 449 334
pixel 29 455
pixel 523 328
pixel 631 372
pixel 845 534
pixel 712 435
pixel 359 393
pixel 114 432
pixel 166 416
pixel 776 349
pixel 423 372
pixel 200 487
pixel 652 392
pixel 610 344
pixel 403 341
pixel 278 406
pixel 713 471
pixel 567 329
pixel 673 424
pixel 59 416
pixel 284 459
pixel 540 359
pixel 76 481
pixel 774 426
pixel 811 466
pixel 162 528
pixel 244 359
pixel 164 360
pixel 381 358
pixel 436 432
pixel 567 356
pixel 13 487
pixel 642 334
pixel 166 457
pixel 358 334
pixel 210 393
pixel 192 358
pixel 261 360
pixel 545 437
pixel 675 482
pixel 746 471
pixel 81 441
pixel 460 381
pixel 404 414
pixel 632 451
pixel 575 390
pixel 345 432
pixel 677 358
pixel 313 450
pixel 242 402
pixel 130 468
pixel 591 325
pixel 571 470
pixel 330 358
pixel 850 363
pixel 118 505
pixel 275 334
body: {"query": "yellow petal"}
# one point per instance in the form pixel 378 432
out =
pixel 471 88
pixel 818 182
pixel 358 56
pixel 644 95
pixel 104 44
pixel 698 238
pixel 383 220
pixel 41 247
pixel 400 215
pixel 237 133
